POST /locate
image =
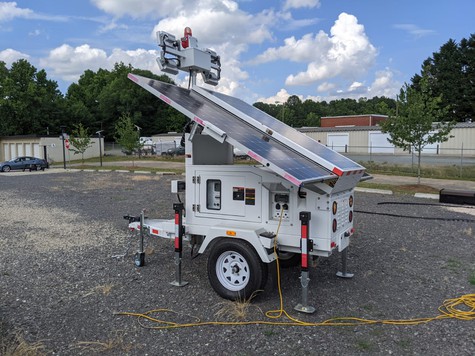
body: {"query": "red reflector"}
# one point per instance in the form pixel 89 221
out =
pixel 337 171
pixel 155 231
pixel 333 245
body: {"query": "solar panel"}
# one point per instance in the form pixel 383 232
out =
pixel 299 138
pixel 287 152
pixel 195 106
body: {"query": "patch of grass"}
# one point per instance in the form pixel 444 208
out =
pixel 236 310
pixel 16 345
pixel 400 189
pixel 453 264
pixel 131 169
pixel 116 343
pixel 427 171
pixel 364 345
pixel 471 278
pixel 404 344
pixel 269 332
pixel 104 289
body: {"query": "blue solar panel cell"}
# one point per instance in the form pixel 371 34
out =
pixel 301 139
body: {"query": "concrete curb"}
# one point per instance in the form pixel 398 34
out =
pixel 377 191
pixel 427 196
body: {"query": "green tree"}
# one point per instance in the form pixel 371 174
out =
pixel 126 134
pixel 29 101
pixel 80 140
pixel 451 74
pixel 420 121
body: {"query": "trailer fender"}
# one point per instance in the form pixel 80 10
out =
pixel 263 245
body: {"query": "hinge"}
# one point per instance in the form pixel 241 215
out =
pixel 196 180
pixel 195 207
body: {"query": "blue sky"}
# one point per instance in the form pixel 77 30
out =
pixel 317 49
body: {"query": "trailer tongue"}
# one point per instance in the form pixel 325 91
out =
pixel 298 188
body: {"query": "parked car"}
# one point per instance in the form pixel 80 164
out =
pixel 176 151
pixel 26 162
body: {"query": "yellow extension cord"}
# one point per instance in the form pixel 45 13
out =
pixel 450 309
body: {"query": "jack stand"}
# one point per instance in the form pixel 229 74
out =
pixel 304 280
pixel 344 273
pixel 178 207
pixel 304 307
pixel 139 258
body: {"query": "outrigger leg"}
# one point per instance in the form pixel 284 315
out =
pixel 178 207
pixel 304 280
pixel 344 273
pixel 140 255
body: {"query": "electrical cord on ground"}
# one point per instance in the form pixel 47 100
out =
pixel 461 308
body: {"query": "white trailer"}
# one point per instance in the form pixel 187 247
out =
pixel 297 200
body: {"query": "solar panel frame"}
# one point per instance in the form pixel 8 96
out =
pixel 290 164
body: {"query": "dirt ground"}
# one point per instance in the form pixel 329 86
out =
pixel 61 290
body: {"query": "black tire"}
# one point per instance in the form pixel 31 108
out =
pixel 289 259
pixel 235 271
pixel 6 169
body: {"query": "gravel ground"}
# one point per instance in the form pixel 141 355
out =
pixel 60 286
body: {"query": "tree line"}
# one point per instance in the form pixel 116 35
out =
pixel 30 103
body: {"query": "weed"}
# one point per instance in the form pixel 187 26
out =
pixel 269 332
pixel 16 345
pixel 104 289
pixel 471 278
pixel 364 345
pixel 116 343
pixel 237 310
pixel 453 264
pixel 404 344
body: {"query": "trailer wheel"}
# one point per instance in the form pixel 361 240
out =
pixel 289 259
pixel 235 271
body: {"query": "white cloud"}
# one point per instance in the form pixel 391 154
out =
pixel 69 63
pixel 10 55
pixel 346 52
pixel 218 26
pixel 161 8
pixel 9 11
pixel 385 84
pixel 326 86
pixel 414 31
pixel 296 4
pixel 281 97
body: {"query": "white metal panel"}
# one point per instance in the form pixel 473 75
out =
pixel 6 152
pixel 338 141
pixel 378 143
pixel 13 153
pixel 19 147
pixel 36 150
